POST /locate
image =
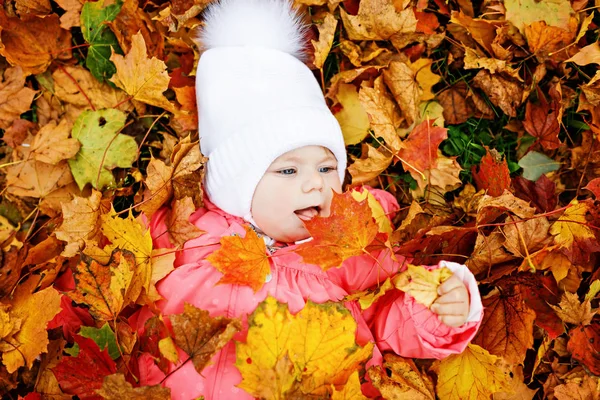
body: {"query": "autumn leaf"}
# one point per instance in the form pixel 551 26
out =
pixel 347 232
pixel 351 390
pixel 525 12
pixel 104 337
pixel 584 344
pixel 115 387
pixel 83 374
pixel 378 20
pixel 179 227
pixel 365 169
pixel 52 143
pixel 24 336
pixel 353 118
pixel 493 174
pixel 104 287
pixel 421 283
pixel 103 148
pixel 80 217
pixel 542 123
pixel 572 233
pixel 201 336
pixel 573 311
pixel 316 348
pixel 326 32
pixel 578 388
pixel 404 382
pixel 590 54
pixel 507 327
pixel 243 261
pixel 502 92
pixel 420 149
pixel 142 78
pixel 473 374
pixel 541 193
pixel 16 96
pixel 536 164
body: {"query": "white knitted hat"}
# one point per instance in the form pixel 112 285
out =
pixel 256 99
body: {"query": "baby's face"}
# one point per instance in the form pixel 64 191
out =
pixel 297 187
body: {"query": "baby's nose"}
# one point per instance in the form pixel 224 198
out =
pixel 313 182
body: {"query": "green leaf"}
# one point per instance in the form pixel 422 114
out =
pixel 536 164
pixel 100 37
pixel 103 148
pixel 104 337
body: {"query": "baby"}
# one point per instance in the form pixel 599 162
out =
pixel 276 155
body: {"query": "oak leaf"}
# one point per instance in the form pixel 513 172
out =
pixel 573 311
pixel 178 225
pixel 347 232
pixel 326 27
pixel 507 327
pixel 492 175
pixel 115 387
pixel 243 261
pixel 83 374
pixel 80 218
pixel 104 287
pixel 378 20
pixel 572 233
pixel 404 381
pixel 473 374
pixel 16 97
pixel 29 315
pixel 420 283
pixel 353 118
pixel 201 336
pixel 143 78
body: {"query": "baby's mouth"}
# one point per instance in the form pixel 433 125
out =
pixel 308 213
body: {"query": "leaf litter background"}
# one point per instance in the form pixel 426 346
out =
pixel 483 119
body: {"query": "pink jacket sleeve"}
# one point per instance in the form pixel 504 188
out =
pixel 396 321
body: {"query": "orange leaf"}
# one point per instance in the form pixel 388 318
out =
pixel 541 122
pixel 420 150
pixel 348 230
pixel 584 344
pixel 179 227
pixel 243 261
pixel 493 174
pixel 16 97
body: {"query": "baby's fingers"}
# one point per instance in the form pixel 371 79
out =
pixel 452 320
pixel 450 284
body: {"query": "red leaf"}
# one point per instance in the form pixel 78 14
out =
pixel 541 193
pixel 351 6
pixel 83 374
pixel 421 147
pixel 70 318
pixel 154 331
pixel 584 344
pixel 594 187
pixel 492 175
pixel 541 122
pixel 426 22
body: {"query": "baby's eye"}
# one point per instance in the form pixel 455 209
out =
pixel 326 169
pixel 287 171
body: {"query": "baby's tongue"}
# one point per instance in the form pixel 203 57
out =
pixel 307 214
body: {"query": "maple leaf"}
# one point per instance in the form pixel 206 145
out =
pixel 34 43
pixel 572 233
pixel 71 17
pixel 405 380
pixel 115 387
pixel 179 227
pixel 243 261
pixel 201 336
pixel 364 170
pixel 326 33
pixel 578 388
pixel 52 143
pixel 502 92
pixel 584 344
pixel 143 78
pixel 353 118
pixel 473 374
pixel 507 327
pixel 378 20
pixel 155 331
pixel 25 337
pixel 541 193
pixel 590 54
pixel 420 149
pixel 80 218
pixel 347 232
pixel 541 122
pixel 492 174
pixel 83 375
pixel 350 391
pixel 298 355
pixel 104 287
pixel 104 337
pixel 550 41
pixel 160 186
pixel 572 311
pixel 421 283
pixel 525 12
pixel 187 162
pixel 16 97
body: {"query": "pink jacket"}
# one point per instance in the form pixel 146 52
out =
pixel 394 323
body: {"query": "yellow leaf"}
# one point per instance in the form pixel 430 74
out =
pixel 351 390
pixel 143 78
pixel 572 233
pixel 406 382
pixel 52 143
pixel 162 265
pixel 594 289
pixel 128 234
pixel 378 20
pixel 425 78
pixel 326 33
pixel 80 218
pixel 378 212
pixel 572 311
pixel 421 283
pixel 472 375
pixel 368 297
pixel 353 118
pixel 168 350
pixel 33 311
pixel 365 169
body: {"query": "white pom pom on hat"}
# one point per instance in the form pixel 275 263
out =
pixel 256 99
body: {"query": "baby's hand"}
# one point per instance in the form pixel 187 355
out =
pixel 452 307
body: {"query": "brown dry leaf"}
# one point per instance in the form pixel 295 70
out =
pixel 405 382
pixel 588 55
pixel 474 61
pixel 28 8
pixel 376 103
pixel 188 162
pixel 327 27
pixel 160 187
pixel 115 387
pixel 186 118
pixel 201 336
pixel 548 41
pixel 72 14
pixel 15 97
pixel 10 269
pixel 349 76
pixel 421 283
pixel 378 20
pixel 490 208
pixel 586 388
pixel 132 21
pixel 481 30
pixel 443 176
pixel 519 391
pixel 178 225
pixel 18 132
pixel 489 251
pixel 507 327
pixel 549 258
pixel 52 143
pixel 572 233
pixel 80 222
pixel 143 78
pixel 525 237
pixel 401 80
pixel 365 169
pixel 353 118
pixel 572 311
pixel 504 93
pixel 35 43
